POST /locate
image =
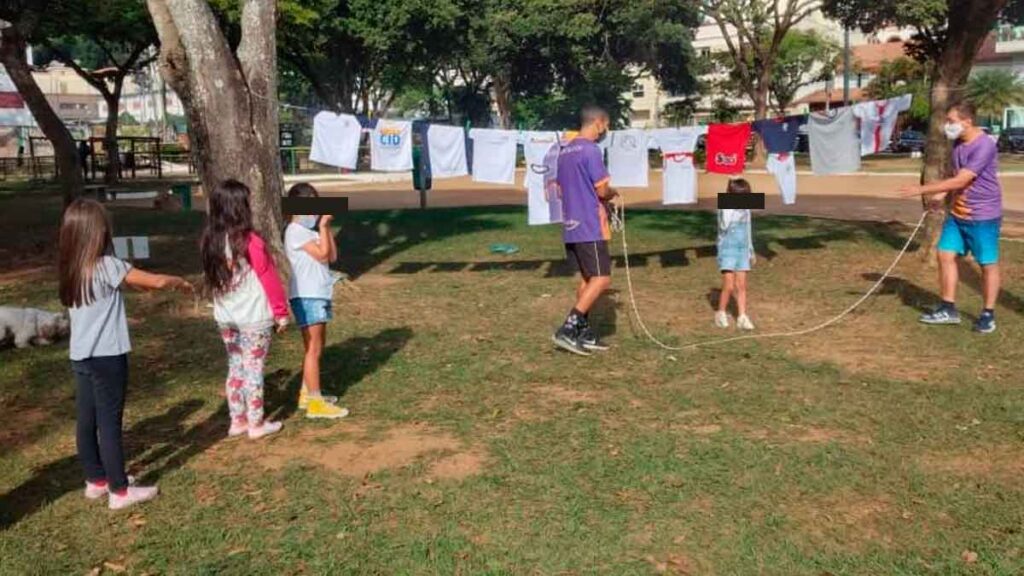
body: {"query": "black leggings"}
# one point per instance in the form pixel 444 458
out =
pixel 101 385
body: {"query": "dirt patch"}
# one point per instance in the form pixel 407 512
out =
pixel 374 281
pixel 399 447
pixel 458 466
pixel 703 429
pixel 843 521
pixel 852 352
pixel 21 427
pixel 784 435
pixel 561 395
pixel 28 274
pixel 1001 463
pixel 678 564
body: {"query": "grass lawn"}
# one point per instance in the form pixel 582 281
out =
pixel 877 447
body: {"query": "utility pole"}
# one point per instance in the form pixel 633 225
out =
pixel 846 66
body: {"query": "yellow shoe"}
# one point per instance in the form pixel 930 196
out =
pixel 320 408
pixel 304 399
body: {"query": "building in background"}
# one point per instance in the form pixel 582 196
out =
pixel 70 96
pixel 868 52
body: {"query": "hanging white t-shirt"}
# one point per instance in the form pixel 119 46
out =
pixel 878 120
pixel 310 278
pixel 627 158
pixel 494 155
pixel 391 146
pixel 783 167
pixel 679 174
pixel 447 148
pixel 336 140
pixel 536 146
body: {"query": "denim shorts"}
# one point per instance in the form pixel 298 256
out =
pixel 734 250
pixel 977 237
pixel 311 311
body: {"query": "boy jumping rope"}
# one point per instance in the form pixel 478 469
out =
pixel 583 182
pixel 975 215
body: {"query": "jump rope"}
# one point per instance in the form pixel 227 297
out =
pixel 617 215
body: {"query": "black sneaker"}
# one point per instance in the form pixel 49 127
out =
pixel 567 338
pixel 986 323
pixel 588 338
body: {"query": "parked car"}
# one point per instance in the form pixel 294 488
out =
pixel 909 141
pixel 1011 140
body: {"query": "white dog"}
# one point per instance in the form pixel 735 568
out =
pixel 27 326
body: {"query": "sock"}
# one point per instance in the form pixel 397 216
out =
pixel 947 305
pixel 575 318
pixel 101 483
pixel 122 492
pixel 988 312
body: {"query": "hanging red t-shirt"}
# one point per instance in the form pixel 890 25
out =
pixel 727 148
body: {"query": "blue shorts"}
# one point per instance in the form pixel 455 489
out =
pixel 977 237
pixel 734 250
pixel 311 311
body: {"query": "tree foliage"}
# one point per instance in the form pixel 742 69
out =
pixel 104 42
pixel 537 58
pixel 359 54
pixel 904 76
pixel 754 31
pixel 993 91
pixel 804 58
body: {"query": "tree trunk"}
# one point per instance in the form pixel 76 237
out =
pixel 503 98
pixel 969 24
pixel 113 99
pixel 12 55
pixel 231 103
pixel 760 113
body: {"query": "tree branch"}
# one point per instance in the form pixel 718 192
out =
pixel 68 61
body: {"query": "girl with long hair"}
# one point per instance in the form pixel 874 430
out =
pixel 90 281
pixel 248 303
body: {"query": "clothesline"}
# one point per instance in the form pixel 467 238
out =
pixel 837 142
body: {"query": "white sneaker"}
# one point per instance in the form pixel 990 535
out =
pixel 265 429
pixel 94 492
pixel 721 319
pixel 237 429
pixel 744 323
pixel 132 495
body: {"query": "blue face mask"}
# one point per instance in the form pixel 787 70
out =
pixel 307 221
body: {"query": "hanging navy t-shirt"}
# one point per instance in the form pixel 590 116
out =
pixel 780 134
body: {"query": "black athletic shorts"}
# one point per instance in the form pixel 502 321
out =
pixel 591 258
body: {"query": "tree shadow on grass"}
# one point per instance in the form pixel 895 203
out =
pixel 970 274
pixel 369 238
pixel 162 444
pixel 909 293
pixel 54 480
pixel 342 366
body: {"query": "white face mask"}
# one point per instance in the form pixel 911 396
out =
pixel 953 130
pixel 307 221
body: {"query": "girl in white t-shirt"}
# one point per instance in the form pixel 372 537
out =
pixel 310 247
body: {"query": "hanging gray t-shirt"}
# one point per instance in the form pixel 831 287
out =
pixel 100 328
pixel 835 143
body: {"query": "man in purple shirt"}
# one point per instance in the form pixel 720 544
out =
pixel 583 184
pixel 975 215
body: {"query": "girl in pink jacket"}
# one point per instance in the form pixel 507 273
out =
pixel 248 303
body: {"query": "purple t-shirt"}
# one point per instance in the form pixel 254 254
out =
pixel 580 169
pixel 983 199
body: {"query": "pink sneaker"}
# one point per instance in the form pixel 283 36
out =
pixel 132 495
pixel 237 429
pixel 97 491
pixel 265 429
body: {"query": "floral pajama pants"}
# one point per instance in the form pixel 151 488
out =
pixel 247 352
